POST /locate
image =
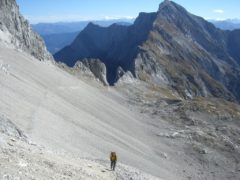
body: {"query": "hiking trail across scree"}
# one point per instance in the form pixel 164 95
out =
pixel 20 159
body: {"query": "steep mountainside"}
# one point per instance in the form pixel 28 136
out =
pixel 65 114
pixel 43 106
pixel 234 44
pixel 72 118
pixel 170 47
pixel 15 30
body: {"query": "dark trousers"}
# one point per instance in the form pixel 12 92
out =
pixel 113 165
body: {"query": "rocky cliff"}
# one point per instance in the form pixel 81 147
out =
pixel 15 30
pixel 171 47
pixel 94 66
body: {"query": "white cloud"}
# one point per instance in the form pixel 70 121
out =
pixel 50 19
pixel 72 18
pixel 219 11
pixel 221 19
pixel 118 17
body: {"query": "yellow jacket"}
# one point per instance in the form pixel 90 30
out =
pixel 113 156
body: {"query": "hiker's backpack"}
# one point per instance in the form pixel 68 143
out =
pixel 113 156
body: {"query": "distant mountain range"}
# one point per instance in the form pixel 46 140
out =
pixel 59 35
pixel 227 24
pixel 70 27
pixel 170 47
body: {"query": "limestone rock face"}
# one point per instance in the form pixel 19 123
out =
pixel 126 78
pixel 82 70
pixel 120 73
pixel 94 67
pixel 123 77
pixel 15 30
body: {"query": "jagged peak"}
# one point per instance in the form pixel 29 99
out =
pixel 145 18
pixel 164 4
pixel 91 27
pixel 171 7
pixel 91 24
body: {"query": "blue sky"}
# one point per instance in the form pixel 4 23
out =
pixel 75 10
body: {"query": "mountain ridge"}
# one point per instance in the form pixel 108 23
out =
pixel 227 24
pixel 150 46
pixel 69 27
pixel 107 48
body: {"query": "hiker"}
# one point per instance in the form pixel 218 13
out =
pixel 113 159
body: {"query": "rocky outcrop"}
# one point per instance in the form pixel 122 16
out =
pixel 95 66
pixel 87 69
pixel 126 78
pixel 15 30
pixel 9 128
pixel 123 77
pixel 82 70
pixel 171 47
